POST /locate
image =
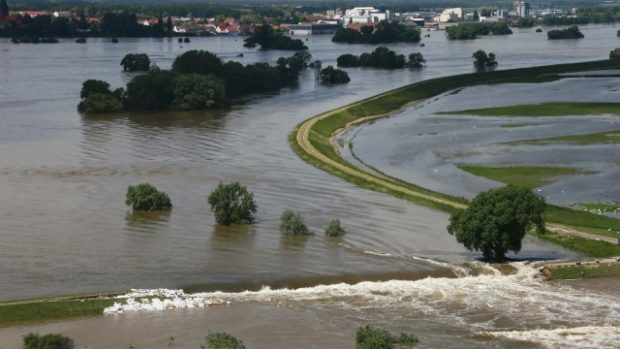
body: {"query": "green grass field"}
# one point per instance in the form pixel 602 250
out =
pixel 545 109
pixel 585 271
pixel 608 137
pixel 591 248
pixel 525 176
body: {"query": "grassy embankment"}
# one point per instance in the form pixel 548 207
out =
pixel 544 109
pixel 607 137
pixel 585 270
pixel 326 125
pixel 20 313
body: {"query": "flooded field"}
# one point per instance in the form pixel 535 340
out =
pixel 65 228
pixel 425 147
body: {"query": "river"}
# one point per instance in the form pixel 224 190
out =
pixel 63 177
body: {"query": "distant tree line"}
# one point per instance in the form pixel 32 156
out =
pixel 475 30
pixel 385 32
pixel 112 24
pixel 198 80
pixel 381 57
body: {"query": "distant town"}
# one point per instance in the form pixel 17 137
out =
pixel 296 21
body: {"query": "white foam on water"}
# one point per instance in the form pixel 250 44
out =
pixel 487 302
pixel 595 337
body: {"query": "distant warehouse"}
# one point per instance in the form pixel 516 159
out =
pixel 313 28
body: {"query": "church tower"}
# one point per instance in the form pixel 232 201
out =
pixel 4 9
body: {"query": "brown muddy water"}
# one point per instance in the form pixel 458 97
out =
pixel 65 229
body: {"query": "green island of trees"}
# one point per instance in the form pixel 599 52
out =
pixel 370 337
pixel 232 204
pixel 497 220
pixel 567 33
pixel 136 62
pixel 381 57
pixel 268 39
pixel 385 32
pixel 198 80
pixel 291 223
pixel 146 197
pixel 333 76
pixel 482 60
pixel 474 30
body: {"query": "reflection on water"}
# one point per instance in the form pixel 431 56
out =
pixel 63 177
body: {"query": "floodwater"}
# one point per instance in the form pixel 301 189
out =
pixel 65 228
pixel 442 142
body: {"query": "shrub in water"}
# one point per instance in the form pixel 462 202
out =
pixel 334 229
pixel 291 223
pixel 221 340
pixel 48 341
pixel 369 337
pixel 145 197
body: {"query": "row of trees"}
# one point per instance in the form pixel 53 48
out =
pixel 367 337
pixel 117 24
pixel 475 30
pixel 381 57
pixel 385 32
pixel 198 80
pixel 230 203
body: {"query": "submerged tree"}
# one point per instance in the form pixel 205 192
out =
pixel 221 340
pixel 330 75
pixel 496 221
pixel 334 229
pixel 136 62
pixel 232 204
pixel 482 60
pixel 370 337
pixel 48 341
pixel 145 197
pixel 291 223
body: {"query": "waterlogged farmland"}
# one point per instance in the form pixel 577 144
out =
pixel 476 138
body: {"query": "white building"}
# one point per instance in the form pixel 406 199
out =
pixel 522 8
pixel 364 15
pixel 450 15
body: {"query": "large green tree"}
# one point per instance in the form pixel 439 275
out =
pixel 136 62
pixel 232 204
pixel 497 220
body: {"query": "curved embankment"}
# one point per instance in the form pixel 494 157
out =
pixel 314 141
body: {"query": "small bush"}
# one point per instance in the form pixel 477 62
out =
pixel 614 54
pixel 48 341
pixel 369 337
pixel 145 197
pixel 100 103
pixel 232 204
pixel 539 30
pixel 221 340
pixel 334 229
pixel 291 223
